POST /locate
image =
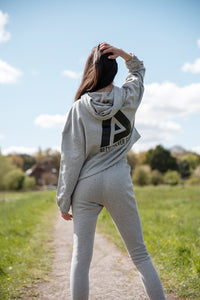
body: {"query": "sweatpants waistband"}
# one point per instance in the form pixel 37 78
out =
pixel 121 162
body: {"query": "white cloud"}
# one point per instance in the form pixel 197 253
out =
pixel 156 131
pixel 193 68
pixel 19 150
pixel 166 101
pixel 72 74
pixel 162 106
pixel 56 149
pixel 50 121
pixel 26 150
pixel 196 149
pixel 8 74
pixel 143 146
pixel 4 35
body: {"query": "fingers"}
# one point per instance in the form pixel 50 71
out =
pixel 66 216
pixel 104 47
pixel 107 48
pixel 104 44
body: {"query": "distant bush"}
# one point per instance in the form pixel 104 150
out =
pixel 193 180
pixel 156 177
pixel 5 168
pixel 14 180
pixel 171 177
pixel 192 159
pixel 141 175
pixel 29 183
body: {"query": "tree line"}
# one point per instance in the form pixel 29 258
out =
pixel 155 166
pixel 160 165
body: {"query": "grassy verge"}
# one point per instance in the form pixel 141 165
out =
pixel 26 223
pixel 171 225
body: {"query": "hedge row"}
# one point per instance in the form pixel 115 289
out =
pixel 143 175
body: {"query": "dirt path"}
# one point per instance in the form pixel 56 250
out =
pixel 112 274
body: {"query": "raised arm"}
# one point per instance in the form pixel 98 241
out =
pixel 106 48
pixel 135 66
pixel 133 86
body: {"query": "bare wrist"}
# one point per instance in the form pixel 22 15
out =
pixel 126 56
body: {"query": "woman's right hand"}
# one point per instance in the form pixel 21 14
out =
pixel 106 48
pixel 66 216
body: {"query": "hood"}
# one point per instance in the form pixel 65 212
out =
pixel 103 105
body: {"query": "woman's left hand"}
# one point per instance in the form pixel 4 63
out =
pixel 106 48
pixel 66 216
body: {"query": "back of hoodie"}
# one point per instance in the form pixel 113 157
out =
pixel 99 131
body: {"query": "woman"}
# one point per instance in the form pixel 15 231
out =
pixel 94 173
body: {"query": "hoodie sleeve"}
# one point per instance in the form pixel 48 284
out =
pixel 72 158
pixel 133 86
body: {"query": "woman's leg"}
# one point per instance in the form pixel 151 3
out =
pixel 85 213
pixel 120 203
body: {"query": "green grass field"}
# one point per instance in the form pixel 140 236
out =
pixel 171 223
pixel 26 223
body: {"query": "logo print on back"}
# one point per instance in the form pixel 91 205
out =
pixel 122 129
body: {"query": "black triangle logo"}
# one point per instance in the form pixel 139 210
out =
pixel 117 127
pixel 125 123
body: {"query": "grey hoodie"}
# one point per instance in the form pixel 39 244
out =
pixel 99 131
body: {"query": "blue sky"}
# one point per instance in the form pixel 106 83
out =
pixel 43 49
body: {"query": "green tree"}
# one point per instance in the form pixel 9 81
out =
pixel 16 160
pixel 28 161
pixel 48 156
pixel 39 156
pixel 184 168
pixel 141 157
pixel 161 159
pixel 192 159
pixel 55 158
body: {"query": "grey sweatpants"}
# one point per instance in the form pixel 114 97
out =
pixel 113 189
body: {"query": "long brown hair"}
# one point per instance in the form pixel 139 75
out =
pixel 98 73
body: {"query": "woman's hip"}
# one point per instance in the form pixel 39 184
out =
pixel 111 180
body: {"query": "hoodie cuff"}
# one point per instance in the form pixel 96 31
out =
pixel 134 62
pixel 63 205
pixel 127 61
